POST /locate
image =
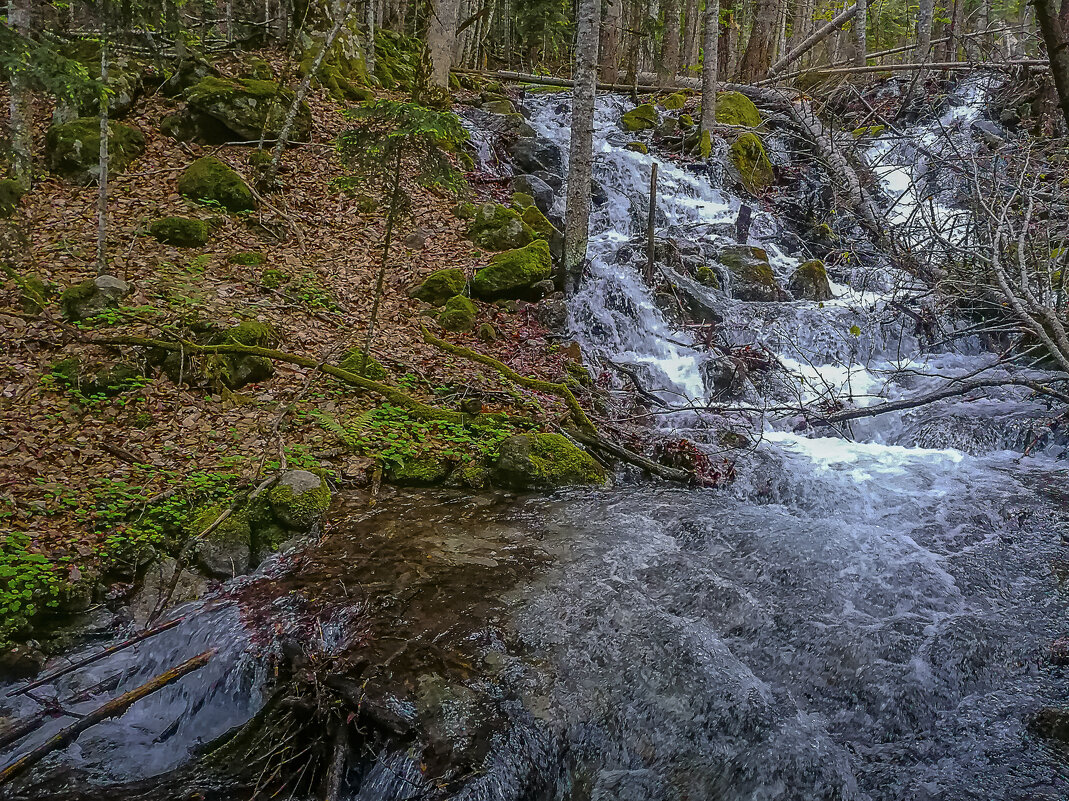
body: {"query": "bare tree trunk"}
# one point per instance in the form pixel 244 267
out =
pixel 670 46
pixel 610 40
pixel 815 38
pixel 1057 45
pixel 102 188
pixel 369 33
pixel 441 30
pixel 710 65
pixel 860 25
pixel 692 24
pixel 580 158
pixel 301 93
pixel 925 15
pixel 20 20
pixel 728 36
pixel 758 55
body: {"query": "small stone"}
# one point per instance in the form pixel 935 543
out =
pixel 415 240
pixel 487 333
pixel 92 297
pixel 299 499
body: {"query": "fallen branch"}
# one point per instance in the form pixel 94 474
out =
pixel 598 442
pixel 560 390
pixel 113 708
pixel 815 38
pixel 48 678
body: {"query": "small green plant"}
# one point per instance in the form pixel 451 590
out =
pixel 28 583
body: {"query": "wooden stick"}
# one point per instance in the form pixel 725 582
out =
pixel 113 708
pixel 1031 63
pixel 651 241
pixel 114 649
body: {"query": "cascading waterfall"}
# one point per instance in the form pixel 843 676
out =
pixel 858 619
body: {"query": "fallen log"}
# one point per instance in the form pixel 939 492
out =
pixel 815 38
pixel 627 455
pixel 113 708
pixel 114 649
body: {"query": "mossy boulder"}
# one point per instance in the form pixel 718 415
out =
pixel 125 79
pixel 675 101
pixel 248 107
pixel 522 200
pixel 706 276
pixel 11 192
pixel 208 180
pixel 498 227
pixel 539 223
pixel 237 370
pixel 810 281
pixel 105 379
pixel 748 156
pixel 93 296
pixel 183 232
pixel 735 108
pixel 545 462
pixel 637 147
pixel 458 314
pixel 73 148
pixel 751 275
pixel 299 499
pixel 640 118
pixel 686 121
pixel 227 550
pixel 34 293
pixel 426 470
pixel 397 59
pixel 369 368
pixel 440 286
pixel 248 258
pixel 499 106
pixel 514 273
pixel 705 144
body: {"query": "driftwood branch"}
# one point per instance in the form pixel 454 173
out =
pixel 113 708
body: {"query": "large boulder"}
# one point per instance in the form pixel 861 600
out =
pixel 514 273
pixel 735 108
pixel 536 188
pixel 532 155
pixel 125 81
pixel 640 118
pixel 183 232
pixel 440 286
pixel 810 281
pixel 73 148
pixel 545 462
pixel 748 156
pixel 93 296
pixel 498 227
pixel 299 499
pixel 249 107
pixel 209 180
pixel 751 275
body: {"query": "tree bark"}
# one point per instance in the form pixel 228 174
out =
pixel 610 40
pixel 1055 40
pixel 758 56
pixel 441 30
pixel 670 46
pixel 925 15
pixel 20 20
pixel 860 26
pixel 580 158
pixel 728 39
pixel 710 65
pixel 102 184
pixel 692 24
pixel 812 40
pixel 369 34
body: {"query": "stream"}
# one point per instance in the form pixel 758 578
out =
pixel 864 614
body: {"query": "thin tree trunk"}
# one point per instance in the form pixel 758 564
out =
pixel 20 20
pixel 957 29
pixel 102 186
pixel 860 25
pixel 301 93
pixel 1057 45
pixel 710 65
pixel 925 15
pixel 391 223
pixel 580 158
pixel 692 25
pixel 758 56
pixel 670 45
pixel 727 28
pixel 610 40
pixel 441 30
pixel 369 34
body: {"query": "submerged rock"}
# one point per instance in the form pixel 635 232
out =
pixel 751 274
pixel 810 282
pixel 545 462
pixel 209 180
pixel 514 273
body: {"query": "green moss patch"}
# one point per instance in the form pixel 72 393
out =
pixel 637 147
pixel 735 108
pixel 497 227
pixel 182 232
pixel 748 156
pixel 369 368
pixel 440 286
pixel 248 107
pixel 513 273
pixel 208 180
pixel 810 281
pixel 73 148
pixel 11 192
pixel 458 314
pixel 640 118
pixel 248 258
pixel 545 462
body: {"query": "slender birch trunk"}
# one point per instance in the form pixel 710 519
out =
pixel 580 158
pixel 441 30
pixel 692 24
pixel 670 46
pixel 20 20
pixel 102 182
pixel 710 65
pixel 369 34
pixel 609 55
pixel 925 16
pixel 860 25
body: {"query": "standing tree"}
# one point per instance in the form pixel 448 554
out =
pixel 441 32
pixel 758 56
pixel 709 73
pixel 1052 25
pixel 860 24
pixel 669 63
pixel 580 158
pixel 925 18
pixel 102 194
pixel 19 21
pixel 390 140
pixel 610 40
pixel 692 25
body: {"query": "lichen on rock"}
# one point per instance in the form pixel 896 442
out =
pixel 514 273
pixel 545 462
pixel 810 282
